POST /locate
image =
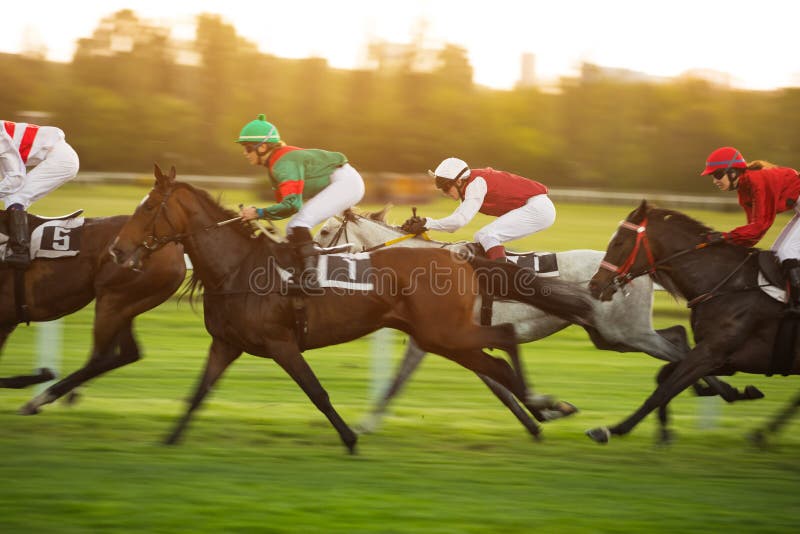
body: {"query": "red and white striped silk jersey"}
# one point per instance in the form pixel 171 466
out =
pixel 31 142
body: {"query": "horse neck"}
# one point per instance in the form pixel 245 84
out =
pixel 216 252
pixel 370 233
pixel 699 271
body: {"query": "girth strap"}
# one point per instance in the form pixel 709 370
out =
pixel 487 301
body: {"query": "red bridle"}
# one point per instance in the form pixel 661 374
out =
pixel 623 272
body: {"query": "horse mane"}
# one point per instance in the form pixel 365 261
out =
pixel 686 224
pixel 218 211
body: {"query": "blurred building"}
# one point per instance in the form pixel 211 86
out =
pixel 527 73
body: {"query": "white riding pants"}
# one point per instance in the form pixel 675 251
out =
pixel 345 191
pixel 787 245
pixel 537 214
pixel 60 166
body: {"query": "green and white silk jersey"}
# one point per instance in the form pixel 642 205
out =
pixel 298 174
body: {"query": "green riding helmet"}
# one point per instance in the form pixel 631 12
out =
pixel 259 131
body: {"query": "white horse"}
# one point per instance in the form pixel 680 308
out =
pixel 623 324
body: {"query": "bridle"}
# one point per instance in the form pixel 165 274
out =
pixel 623 273
pixel 152 243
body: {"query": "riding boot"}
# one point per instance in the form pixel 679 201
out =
pixel 791 269
pixel 497 253
pixel 18 247
pixel 305 250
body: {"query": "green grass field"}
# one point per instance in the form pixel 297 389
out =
pixel 260 458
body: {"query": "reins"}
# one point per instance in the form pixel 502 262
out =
pixel 342 231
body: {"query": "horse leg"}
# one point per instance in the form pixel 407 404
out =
pixel 220 356
pixel 109 352
pixel 507 398
pixel 21 381
pixel 759 436
pixel 411 360
pixel 542 407
pixel 291 360
pixel 683 375
pixel 670 345
pixel 664 434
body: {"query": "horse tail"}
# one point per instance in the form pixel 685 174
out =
pixel 567 300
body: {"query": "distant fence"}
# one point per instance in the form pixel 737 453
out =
pixel 402 188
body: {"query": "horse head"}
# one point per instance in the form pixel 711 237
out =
pixel 659 243
pixel 362 230
pixel 154 224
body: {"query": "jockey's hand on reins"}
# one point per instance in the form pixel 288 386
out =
pixel 415 225
pixel 713 238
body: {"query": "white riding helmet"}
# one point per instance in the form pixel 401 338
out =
pixel 451 169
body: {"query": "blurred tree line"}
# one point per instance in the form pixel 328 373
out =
pixel 132 96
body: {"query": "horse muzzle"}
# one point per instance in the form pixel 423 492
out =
pixel 133 260
pixel 602 290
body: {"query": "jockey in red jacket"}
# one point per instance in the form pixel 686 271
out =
pixel 764 190
pixel 521 206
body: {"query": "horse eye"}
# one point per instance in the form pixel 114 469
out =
pixel 324 231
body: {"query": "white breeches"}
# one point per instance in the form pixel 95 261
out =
pixel 787 245
pixel 60 166
pixel 345 191
pixel 537 214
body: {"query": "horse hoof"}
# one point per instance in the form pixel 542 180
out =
pixel 559 410
pixel 664 438
pixel 29 409
pixel 46 374
pixel 541 402
pixel 600 434
pixel 758 439
pixel 752 393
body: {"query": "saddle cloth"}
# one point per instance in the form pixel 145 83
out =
pixel 346 271
pixel 781 295
pixel 543 264
pixel 56 238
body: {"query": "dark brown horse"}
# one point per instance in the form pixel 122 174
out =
pixel 60 286
pixel 734 322
pixel 429 294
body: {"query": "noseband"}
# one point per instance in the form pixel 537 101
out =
pixel 623 272
pixel 152 242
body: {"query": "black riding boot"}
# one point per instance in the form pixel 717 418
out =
pixel 18 247
pixel 305 250
pixel 791 269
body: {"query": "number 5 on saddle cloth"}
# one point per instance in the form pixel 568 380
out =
pixel 54 237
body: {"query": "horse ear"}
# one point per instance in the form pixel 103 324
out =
pixel 172 173
pixel 381 215
pixel 639 213
pixel 158 173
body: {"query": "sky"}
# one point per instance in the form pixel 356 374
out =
pixel 754 41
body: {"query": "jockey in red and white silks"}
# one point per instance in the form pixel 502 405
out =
pixel 521 205
pixel 42 147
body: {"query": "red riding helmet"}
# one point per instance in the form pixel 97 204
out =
pixel 724 158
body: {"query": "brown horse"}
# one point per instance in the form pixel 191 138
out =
pixel 734 323
pixel 59 286
pixel 429 294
